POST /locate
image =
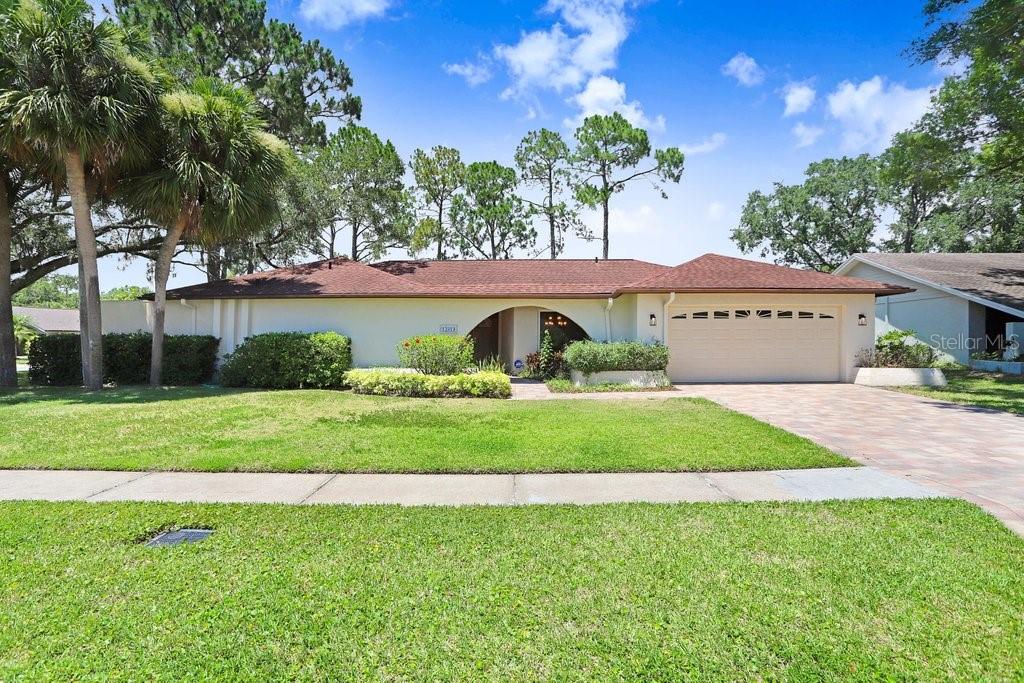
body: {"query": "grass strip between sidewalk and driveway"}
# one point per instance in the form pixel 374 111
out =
pixel 217 430
pixel 982 389
pixel 867 590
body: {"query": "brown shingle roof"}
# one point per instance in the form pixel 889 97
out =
pixel 714 273
pixel 995 277
pixel 567 278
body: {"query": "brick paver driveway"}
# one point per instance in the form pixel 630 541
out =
pixel 972 453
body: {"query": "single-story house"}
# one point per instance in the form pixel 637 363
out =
pixel 50 320
pixel 960 303
pixel 724 319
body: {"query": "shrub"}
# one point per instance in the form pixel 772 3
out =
pixel 56 360
pixel 437 354
pixel 289 360
pixel 897 349
pixel 551 357
pixel 391 382
pixel 589 357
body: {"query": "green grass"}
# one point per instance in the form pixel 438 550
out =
pixel 565 386
pixel 869 590
pixel 221 430
pixel 984 389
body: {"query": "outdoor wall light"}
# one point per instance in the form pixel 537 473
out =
pixel 654 320
pixel 862 320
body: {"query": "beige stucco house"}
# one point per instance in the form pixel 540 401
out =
pixel 724 319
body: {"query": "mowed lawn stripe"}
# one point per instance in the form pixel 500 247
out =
pixel 217 430
pixel 867 590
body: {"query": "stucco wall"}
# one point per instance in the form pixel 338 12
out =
pixel 939 319
pixel 375 325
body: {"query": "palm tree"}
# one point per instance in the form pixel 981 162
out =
pixel 81 93
pixel 214 178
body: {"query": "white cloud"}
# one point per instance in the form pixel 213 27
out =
pixel 715 211
pixel 604 95
pixel 872 111
pixel 744 69
pixel 474 73
pixel 337 13
pixel 637 221
pixel 705 146
pixel 798 97
pixel 806 135
pixel 584 43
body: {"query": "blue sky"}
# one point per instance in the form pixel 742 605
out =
pixel 752 91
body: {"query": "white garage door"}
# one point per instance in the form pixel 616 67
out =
pixel 751 344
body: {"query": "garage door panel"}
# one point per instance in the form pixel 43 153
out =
pixel 752 344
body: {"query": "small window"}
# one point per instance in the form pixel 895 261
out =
pixel 764 314
pixel 784 315
pixel 721 315
pixel 700 315
pixel 741 314
pixel 681 316
pixel 825 316
pixel 805 315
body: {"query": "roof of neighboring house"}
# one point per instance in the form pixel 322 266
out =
pixel 997 278
pixel 50 320
pixel 516 278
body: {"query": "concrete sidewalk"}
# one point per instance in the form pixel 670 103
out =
pixel 844 483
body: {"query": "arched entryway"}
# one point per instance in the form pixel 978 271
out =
pixel 510 335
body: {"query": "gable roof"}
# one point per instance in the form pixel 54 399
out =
pixel 988 278
pixel 517 278
pixel 50 320
pixel 715 273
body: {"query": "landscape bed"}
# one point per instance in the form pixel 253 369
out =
pixel 867 590
pixel 219 430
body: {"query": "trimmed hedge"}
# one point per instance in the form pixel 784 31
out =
pixel 390 382
pixel 589 357
pixel 56 360
pixel 437 354
pixel 289 360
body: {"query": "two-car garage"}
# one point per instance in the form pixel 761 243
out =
pixel 754 342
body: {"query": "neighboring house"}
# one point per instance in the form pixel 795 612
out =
pixel 723 319
pixel 961 303
pixel 50 320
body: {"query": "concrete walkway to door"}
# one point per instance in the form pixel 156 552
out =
pixel 972 453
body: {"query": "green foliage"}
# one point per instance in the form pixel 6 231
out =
pixel 365 193
pixel 52 291
pixel 126 293
pixel 24 333
pixel 606 145
pixel 439 177
pixel 491 364
pixel 898 349
pixel 299 83
pixel 391 382
pixel 490 220
pixel 550 357
pixel 289 360
pixel 543 160
pixel 566 386
pixel 819 223
pixel 437 354
pixel 589 357
pixel 55 360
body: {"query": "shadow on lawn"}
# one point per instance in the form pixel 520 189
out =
pixel 113 395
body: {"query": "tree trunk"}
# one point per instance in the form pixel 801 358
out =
pixel 355 243
pixel 89 281
pixel 214 265
pixel 604 238
pixel 8 351
pixel 440 231
pixel 551 218
pixel 161 273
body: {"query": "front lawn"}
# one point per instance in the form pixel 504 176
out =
pixel 868 590
pixel 307 431
pixel 984 389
